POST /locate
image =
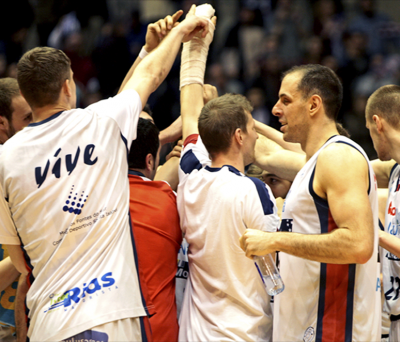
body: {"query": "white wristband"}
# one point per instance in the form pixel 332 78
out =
pixel 143 53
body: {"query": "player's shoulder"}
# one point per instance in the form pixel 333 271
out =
pixel 342 152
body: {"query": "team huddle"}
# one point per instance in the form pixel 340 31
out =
pixel 93 227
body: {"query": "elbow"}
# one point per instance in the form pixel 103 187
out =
pixel 362 254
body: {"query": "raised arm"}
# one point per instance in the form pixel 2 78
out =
pixel 277 137
pixel 156 32
pixel 273 158
pixel 347 195
pixel 151 72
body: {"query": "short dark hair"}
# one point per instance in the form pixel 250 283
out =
pixel 219 120
pixel 8 90
pixel 320 80
pixel 146 142
pixel 41 74
pixel 385 102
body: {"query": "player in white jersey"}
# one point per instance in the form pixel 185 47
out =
pixel 225 298
pixel 383 122
pixel 66 184
pixel 329 230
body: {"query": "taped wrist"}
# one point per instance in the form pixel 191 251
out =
pixel 194 53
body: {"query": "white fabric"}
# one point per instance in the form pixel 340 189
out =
pixel 394 333
pixel 390 262
pixel 67 185
pixel 225 298
pixel 123 330
pixel 297 308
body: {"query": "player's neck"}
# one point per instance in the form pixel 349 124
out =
pixel 393 139
pixel 317 136
pixel 43 113
pixel 235 160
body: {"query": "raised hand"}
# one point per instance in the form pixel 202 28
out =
pixel 157 31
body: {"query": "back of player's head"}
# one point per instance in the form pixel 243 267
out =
pixel 8 90
pixel 320 80
pixel 219 120
pixel 41 74
pixel 146 142
pixel 385 102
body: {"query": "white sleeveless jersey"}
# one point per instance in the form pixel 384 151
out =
pixel 66 182
pixel 390 262
pixel 225 298
pixel 325 302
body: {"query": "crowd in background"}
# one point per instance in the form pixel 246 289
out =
pixel 258 39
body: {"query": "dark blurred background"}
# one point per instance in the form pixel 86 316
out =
pixel 254 42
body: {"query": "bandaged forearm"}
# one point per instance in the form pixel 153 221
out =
pixel 194 53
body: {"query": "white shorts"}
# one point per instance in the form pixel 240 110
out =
pixel 124 330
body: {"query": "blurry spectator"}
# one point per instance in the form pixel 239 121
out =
pixel 354 64
pixel 137 34
pixel 243 44
pixel 260 112
pixel 291 22
pixel 218 77
pixel 371 23
pixel 329 25
pixel 314 50
pixel 111 58
pixel 67 25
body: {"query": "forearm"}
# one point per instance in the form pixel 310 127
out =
pixel 171 133
pixel 191 105
pixel 389 242
pixel 277 137
pixel 155 67
pixel 8 273
pixel 169 172
pixel 337 247
pixel 20 317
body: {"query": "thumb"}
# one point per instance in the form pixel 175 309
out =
pixel 214 20
pixel 192 10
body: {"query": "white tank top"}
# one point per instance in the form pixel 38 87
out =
pixel 325 301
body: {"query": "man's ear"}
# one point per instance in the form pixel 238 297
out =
pixel 238 136
pixel 66 88
pixel 315 104
pixel 378 122
pixel 149 162
pixel 4 123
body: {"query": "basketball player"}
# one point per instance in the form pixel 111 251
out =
pixel 329 228
pixel 15 114
pixel 383 122
pixel 156 229
pixel 66 184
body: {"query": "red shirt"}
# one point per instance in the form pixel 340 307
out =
pixel 158 238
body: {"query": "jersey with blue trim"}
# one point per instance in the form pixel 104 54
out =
pixel 225 297
pixel 325 302
pixel 67 187
pixel 390 262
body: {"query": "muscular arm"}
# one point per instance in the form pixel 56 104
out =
pixel 382 171
pixel 8 273
pixel 271 157
pixel 277 137
pixel 347 196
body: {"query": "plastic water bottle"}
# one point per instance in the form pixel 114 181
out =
pixel 269 274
